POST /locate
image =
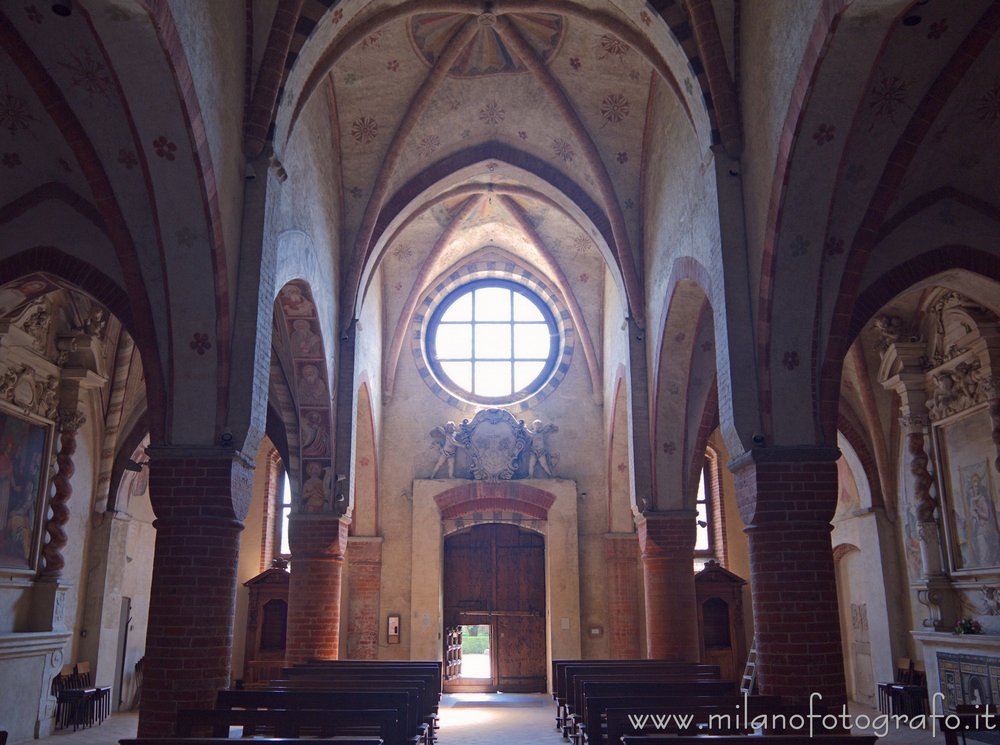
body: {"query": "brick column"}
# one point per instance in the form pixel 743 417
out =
pixel 623 595
pixel 787 498
pixel 318 543
pixel 667 542
pixel 363 598
pixel 200 496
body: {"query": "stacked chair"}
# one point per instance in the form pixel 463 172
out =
pixel 78 701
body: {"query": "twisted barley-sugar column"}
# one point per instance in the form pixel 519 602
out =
pixel 69 424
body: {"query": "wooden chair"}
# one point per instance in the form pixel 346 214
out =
pixel 904 671
pixel 911 698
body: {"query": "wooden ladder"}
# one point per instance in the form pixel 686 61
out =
pixel 750 671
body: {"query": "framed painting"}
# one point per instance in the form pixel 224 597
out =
pixel 968 478
pixel 24 449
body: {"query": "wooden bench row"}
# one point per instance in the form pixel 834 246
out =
pixel 367 703
pixel 566 674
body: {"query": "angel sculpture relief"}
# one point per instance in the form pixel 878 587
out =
pixel 446 441
pixel 538 451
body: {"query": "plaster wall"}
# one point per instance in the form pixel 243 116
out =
pixel 681 211
pixel 304 216
pixel 216 53
pixel 370 335
pixel 136 577
pixel 773 39
pixel 562 579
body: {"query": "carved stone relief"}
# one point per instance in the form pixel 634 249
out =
pixel 494 446
pixel 494 439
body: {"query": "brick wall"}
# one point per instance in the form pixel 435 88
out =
pixel 363 598
pixel 623 596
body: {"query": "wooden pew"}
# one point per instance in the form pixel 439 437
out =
pixel 428 670
pixel 710 716
pixel 327 700
pixel 421 714
pixel 339 740
pixel 290 723
pixel 417 716
pixel 428 679
pixel 969 718
pixel 651 684
pixel 563 670
pixel 783 739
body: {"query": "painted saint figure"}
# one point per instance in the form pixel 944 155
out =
pixel 312 388
pixel 315 496
pixel 984 534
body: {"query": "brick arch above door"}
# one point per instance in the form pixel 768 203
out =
pixel 476 502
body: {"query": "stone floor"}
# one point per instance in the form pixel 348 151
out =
pixel 478 719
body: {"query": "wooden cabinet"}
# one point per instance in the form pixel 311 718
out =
pixel 267 622
pixel 721 635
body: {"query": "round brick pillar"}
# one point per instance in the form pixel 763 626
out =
pixel 787 498
pixel 318 543
pixel 667 543
pixel 200 497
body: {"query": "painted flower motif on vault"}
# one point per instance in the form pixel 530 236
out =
pixel 428 145
pixel 613 46
pixel 403 253
pixel 11 160
pixel 164 147
pixel 938 29
pixel 364 130
pixel 615 108
pixel 563 149
pixel 887 96
pixel 34 14
pixel 127 158
pixel 14 113
pixel 88 73
pixel 492 114
pixel 824 133
pixel 200 343
pixel 988 105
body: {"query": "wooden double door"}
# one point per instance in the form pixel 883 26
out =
pixel 494 576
